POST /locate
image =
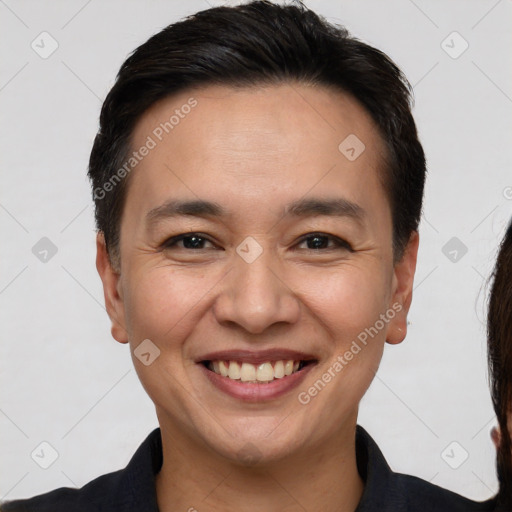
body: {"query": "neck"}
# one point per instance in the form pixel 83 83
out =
pixel 325 478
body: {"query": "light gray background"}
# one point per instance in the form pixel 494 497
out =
pixel 65 381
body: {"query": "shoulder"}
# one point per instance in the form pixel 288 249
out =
pixel 130 489
pixel 93 496
pixel 387 491
pixel 420 495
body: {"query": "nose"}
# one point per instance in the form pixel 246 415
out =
pixel 255 296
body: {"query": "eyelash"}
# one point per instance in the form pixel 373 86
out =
pixel 339 242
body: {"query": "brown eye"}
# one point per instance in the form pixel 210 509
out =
pixel 193 241
pixel 319 241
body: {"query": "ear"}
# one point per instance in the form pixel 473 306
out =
pixel 496 436
pixel 403 280
pixel 111 290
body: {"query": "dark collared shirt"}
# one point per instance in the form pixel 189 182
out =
pixel 133 488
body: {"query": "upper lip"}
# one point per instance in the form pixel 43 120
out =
pixel 256 357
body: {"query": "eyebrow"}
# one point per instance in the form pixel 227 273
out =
pixel 332 207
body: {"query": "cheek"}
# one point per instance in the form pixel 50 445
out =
pixel 160 303
pixel 348 305
pixel 347 301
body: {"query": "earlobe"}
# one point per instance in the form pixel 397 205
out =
pixel 113 299
pixel 403 286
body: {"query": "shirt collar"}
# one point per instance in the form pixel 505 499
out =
pixel 375 472
pixel 137 490
pixel 137 486
pixel 384 490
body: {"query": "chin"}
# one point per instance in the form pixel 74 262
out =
pixel 262 444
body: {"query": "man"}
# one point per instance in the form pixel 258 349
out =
pixel 258 184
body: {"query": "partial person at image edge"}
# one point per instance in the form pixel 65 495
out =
pixel 499 336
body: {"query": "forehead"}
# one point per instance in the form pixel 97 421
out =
pixel 257 142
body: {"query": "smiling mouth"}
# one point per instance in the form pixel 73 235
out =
pixel 262 373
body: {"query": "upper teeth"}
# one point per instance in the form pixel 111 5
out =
pixel 247 372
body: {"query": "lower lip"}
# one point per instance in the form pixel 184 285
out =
pixel 255 392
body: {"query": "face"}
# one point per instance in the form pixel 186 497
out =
pixel 249 239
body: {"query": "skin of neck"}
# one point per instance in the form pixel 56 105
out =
pixel 322 477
